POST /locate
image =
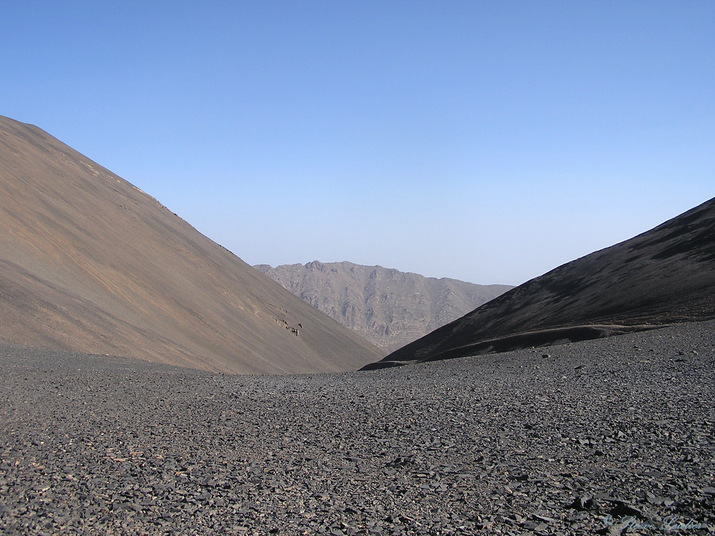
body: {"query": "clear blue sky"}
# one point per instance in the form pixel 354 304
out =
pixel 489 141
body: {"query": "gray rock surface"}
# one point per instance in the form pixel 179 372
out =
pixel 598 437
pixel 388 307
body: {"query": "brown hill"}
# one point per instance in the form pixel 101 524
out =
pixel 90 263
pixel 388 307
pixel 661 277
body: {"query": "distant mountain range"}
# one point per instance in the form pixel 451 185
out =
pixel 388 307
pixel 663 276
pixel 89 263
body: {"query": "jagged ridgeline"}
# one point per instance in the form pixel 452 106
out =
pixel 388 307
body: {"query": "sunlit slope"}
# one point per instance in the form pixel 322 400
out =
pixel 90 263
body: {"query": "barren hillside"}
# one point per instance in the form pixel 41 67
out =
pixel 661 277
pixel 90 263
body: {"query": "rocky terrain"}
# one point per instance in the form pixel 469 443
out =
pixel 90 263
pixel 663 276
pixel 609 436
pixel 387 307
pixel 606 436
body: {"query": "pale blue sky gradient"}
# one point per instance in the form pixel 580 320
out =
pixel 488 141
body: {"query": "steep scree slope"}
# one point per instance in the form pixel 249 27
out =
pixel 90 263
pixel 663 276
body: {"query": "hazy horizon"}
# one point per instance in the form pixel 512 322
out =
pixel 483 141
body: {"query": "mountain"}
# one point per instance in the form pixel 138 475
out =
pixel 663 276
pixel 89 263
pixel 388 307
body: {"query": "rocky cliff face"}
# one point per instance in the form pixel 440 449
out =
pixel 388 307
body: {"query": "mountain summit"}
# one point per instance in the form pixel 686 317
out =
pixel 663 276
pixel 89 263
pixel 388 307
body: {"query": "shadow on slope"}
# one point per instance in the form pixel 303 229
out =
pixel 663 276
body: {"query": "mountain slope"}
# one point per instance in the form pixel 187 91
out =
pixel 388 307
pixel 90 263
pixel 663 276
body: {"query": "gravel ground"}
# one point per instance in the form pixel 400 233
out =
pixel 612 436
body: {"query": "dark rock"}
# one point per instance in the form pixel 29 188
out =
pixel 621 509
pixel 584 502
pixel 486 444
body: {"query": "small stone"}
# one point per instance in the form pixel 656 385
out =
pixel 659 501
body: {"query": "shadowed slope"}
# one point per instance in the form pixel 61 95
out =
pixel 663 276
pixel 90 263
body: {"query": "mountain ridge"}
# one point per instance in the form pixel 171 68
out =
pixel 388 307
